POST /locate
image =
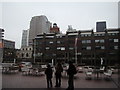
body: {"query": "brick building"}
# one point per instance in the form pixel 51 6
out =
pixel 84 47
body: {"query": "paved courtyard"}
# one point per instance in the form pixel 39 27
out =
pixel 21 81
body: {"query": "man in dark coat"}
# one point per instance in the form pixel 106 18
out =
pixel 59 70
pixel 49 73
pixel 71 72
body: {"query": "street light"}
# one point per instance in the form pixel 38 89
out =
pixel 76 39
pixel 34 50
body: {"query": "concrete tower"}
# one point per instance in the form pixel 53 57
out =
pixel 38 25
pixel 25 35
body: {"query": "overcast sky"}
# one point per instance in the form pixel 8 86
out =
pixel 16 16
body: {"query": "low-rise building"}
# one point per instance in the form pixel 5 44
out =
pixel 83 47
pixel 25 53
pixel 8 51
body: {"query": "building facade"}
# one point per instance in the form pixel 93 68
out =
pixel 55 29
pixel 25 54
pixel 25 35
pixel 8 51
pixel 1 44
pixel 38 25
pixel 84 47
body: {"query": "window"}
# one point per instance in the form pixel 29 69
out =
pixel 61 48
pixel 112 34
pixel 58 42
pixel 99 47
pixel 116 47
pixel 88 47
pixel 22 55
pixel 99 34
pixel 58 48
pixel 27 55
pixel 110 40
pixel 83 41
pixel 71 48
pixel 85 35
pixel 99 41
pixel 47 48
pixel 51 42
pixel 82 35
pixel 83 48
pixel 86 41
pixel 115 40
pixel 30 49
pixel 102 47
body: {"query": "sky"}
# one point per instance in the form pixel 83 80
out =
pixel 16 16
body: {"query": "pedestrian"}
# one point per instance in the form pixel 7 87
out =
pixel 49 73
pixel 59 70
pixel 71 72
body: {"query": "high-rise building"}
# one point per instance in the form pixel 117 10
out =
pixel 1 44
pixel 38 25
pixel 25 35
pixel 100 26
pixel 119 14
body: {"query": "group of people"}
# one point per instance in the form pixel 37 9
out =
pixel 58 74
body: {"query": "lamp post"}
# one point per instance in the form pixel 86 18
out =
pixel 76 50
pixel 34 50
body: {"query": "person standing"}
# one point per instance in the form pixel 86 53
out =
pixel 49 73
pixel 71 72
pixel 59 70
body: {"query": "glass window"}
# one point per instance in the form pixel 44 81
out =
pixel 62 48
pixel 83 41
pixel 71 48
pixel 97 47
pixel 115 47
pixel 58 48
pixel 102 47
pixel 96 41
pixel 110 40
pixel 58 42
pixel 83 48
pixel 115 40
pixel 86 41
pixel 99 41
pixel 88 47
pixel 47 48
pixel 82 35
pixel 102 41
pixel 51 42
